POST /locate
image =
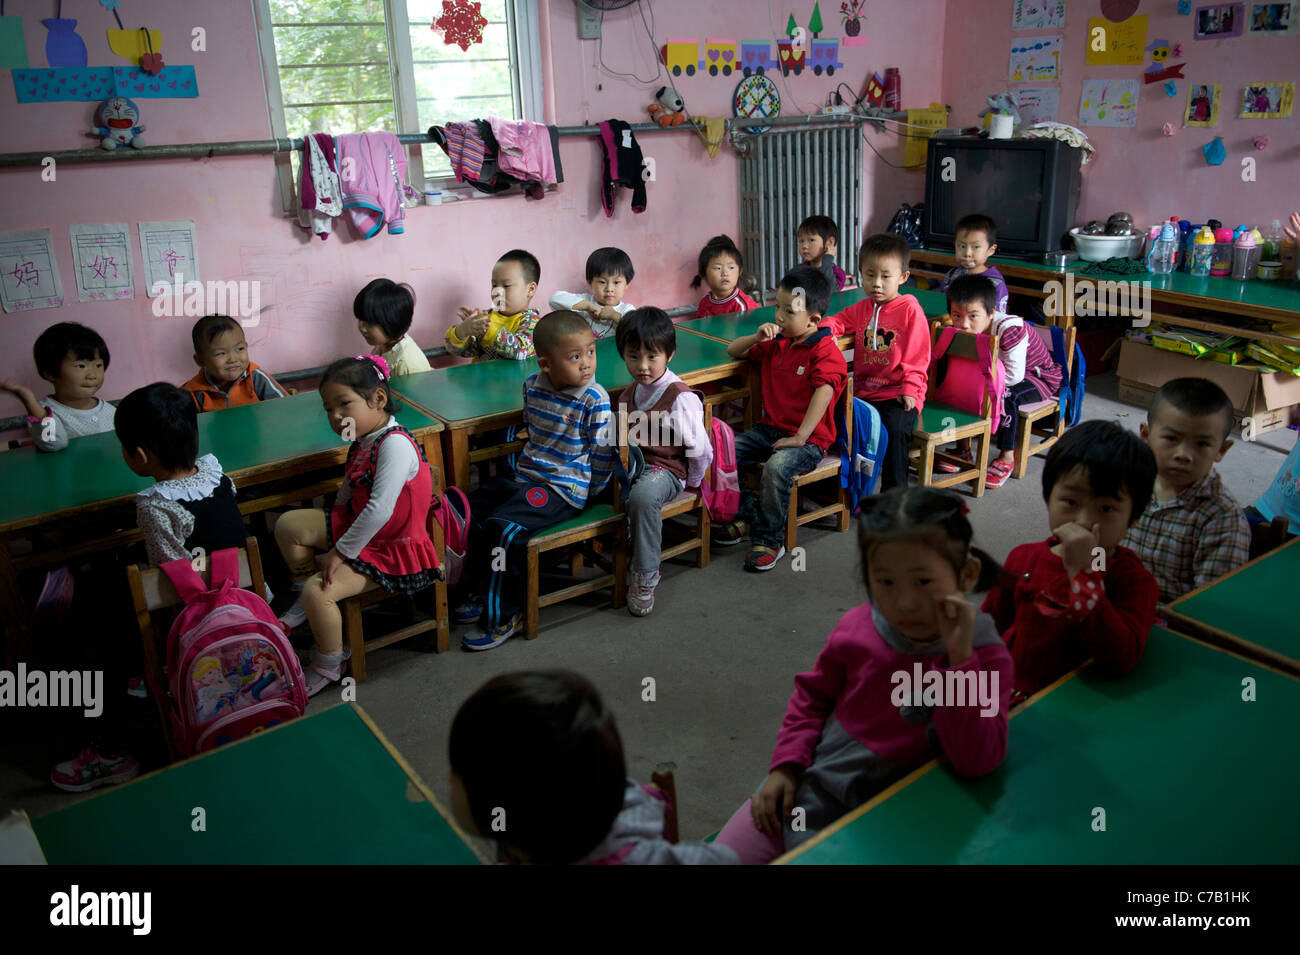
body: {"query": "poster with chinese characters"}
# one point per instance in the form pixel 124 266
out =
pixel 29 276
pixel 170 254
pixel 101 261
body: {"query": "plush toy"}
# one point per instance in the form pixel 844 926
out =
pixel 1001 103
pixel 117 117
pixel 669 110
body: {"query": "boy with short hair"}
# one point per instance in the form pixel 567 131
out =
pixel 566 461
pixel 976 241
pixel 891 348
pixel 658 406
pixel 73 358
pixel 226 377
pixel 817 238
pixel 1192 531
pixel 1081 593
pixel 609 272
pixel 506 329
pixel 803 376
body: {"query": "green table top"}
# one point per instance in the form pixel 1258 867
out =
pixel 480 390
pixel 267 799
pixel 1249 605
pixel 733 326
pixel 1186 772
pixel 91 470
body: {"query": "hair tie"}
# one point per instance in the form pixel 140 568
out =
pixel 381 366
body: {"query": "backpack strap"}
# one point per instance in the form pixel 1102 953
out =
pixel 224 565
pixel 189 585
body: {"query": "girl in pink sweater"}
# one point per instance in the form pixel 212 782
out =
pixel 917 672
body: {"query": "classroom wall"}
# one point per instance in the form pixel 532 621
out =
pixel 1140 170
pixel 447 251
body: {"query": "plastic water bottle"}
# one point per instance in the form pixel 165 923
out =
pixel 1164 250
pixel 1271 247
pixel 1202 254
pixel 1244 255
pixel 1222 264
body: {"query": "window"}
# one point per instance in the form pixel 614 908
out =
pixel 345 66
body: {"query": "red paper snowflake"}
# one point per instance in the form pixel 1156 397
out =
pixel 461 23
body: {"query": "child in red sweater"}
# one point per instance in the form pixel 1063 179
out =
pixel 803 375
pixel 720 266
pixel 915 673
pixel 891 348
pixel 1079 594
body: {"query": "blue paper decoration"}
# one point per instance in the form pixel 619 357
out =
pixel 1171 88
pixel 1215 154
pixel 92 84
pixel 63 47
pixel 1184 7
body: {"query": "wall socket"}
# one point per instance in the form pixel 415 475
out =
pixel 588 21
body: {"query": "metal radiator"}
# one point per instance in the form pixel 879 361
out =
pixel 788 175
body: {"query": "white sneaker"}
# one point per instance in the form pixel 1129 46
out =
pixel 641 593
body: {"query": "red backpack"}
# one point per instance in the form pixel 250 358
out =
pixel 721 485
pixel 965 382
pixel 451 512
pixel 231 670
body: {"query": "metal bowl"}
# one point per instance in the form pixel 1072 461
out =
pixel 1098 248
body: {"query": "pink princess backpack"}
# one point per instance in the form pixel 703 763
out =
pixel 231 671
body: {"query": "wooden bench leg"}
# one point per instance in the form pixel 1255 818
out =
pixel 703 527
pixel 843 517
pixel 441 615
pixel 981 461
pixel 355 637
pixel 620 569
pixel 792 519
pixel 533 584
pixel 1025 432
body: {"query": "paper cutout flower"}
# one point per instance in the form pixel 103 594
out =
pixel 1260 142
pixel 1177 50
pixel 461 23
pixel 1167 129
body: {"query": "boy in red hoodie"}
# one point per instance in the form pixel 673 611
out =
pixel 803 376
pixel 891 348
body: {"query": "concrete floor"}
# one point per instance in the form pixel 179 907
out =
pixel 722 645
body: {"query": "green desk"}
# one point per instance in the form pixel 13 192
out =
pixel 727 328
pixel 256 444
pixel 324 789
pixel 488 395
pixel 1249 610
pixel 1186 771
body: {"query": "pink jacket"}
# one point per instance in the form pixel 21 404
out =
pixel 852 679
pixel 524 149
pixel 372 170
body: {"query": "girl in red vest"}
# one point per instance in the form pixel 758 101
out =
pixel 376 535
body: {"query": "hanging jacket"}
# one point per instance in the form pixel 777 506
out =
pixel 525 152
pixel 372 167
pixel 320 198
pixel 622 165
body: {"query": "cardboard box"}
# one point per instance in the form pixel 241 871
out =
pixel 1256 394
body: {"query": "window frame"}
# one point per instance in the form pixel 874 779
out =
pixel 526 79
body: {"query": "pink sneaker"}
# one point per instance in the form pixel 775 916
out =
pixel 641 593
pixel 91 769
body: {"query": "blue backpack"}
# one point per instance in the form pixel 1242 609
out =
pixel 860 465
pixel 1073 385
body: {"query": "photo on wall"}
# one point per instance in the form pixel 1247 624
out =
pixel 1202 105
pixel 1267 100
pixel 1219 21
pixel 1274 19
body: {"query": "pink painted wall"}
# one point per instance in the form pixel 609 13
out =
pixel 1140 170
pixel 447 251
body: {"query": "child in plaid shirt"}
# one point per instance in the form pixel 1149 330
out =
pixel 1192 531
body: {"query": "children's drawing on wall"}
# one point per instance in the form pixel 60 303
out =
pixel 1036 58
pixel 1037 104
pixel 1115 44
pixel 1202 105
pixel 854 17
pixel 1267 100
pixel 1274 19
pixel 29 275
pixel 1161 69
pixel 1038 14
pixel 1108 103
pixel 1219 21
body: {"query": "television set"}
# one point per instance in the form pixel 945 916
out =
pixel 1029 187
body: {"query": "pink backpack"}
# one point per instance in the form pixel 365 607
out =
pixel 231 670
pixel 451 512
pixel 964 382
pixel 721 485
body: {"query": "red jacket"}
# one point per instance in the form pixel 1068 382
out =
pixel 893 361
pixel 737 301
pixel 1050 629
pixel 791 373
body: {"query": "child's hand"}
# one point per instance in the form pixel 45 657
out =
pixel 474 323
pixel 1076 545
pixel 956 626
pixel 767 331
pixel 907 401
pixel 788 442
pixel 16 387
pixel 1293 231
pixel 774 801
pixel 328 563
pixel 24 394
pixel 608 315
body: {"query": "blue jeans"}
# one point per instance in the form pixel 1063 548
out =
pixel 766 512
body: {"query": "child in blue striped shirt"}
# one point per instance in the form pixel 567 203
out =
pixel 566 461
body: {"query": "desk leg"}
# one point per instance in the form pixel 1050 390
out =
pixel 15 622
pixel 455 446
pixel 433 451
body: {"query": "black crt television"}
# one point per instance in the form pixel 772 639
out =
pixel 1028 187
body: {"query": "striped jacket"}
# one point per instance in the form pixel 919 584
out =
pixel 570 446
